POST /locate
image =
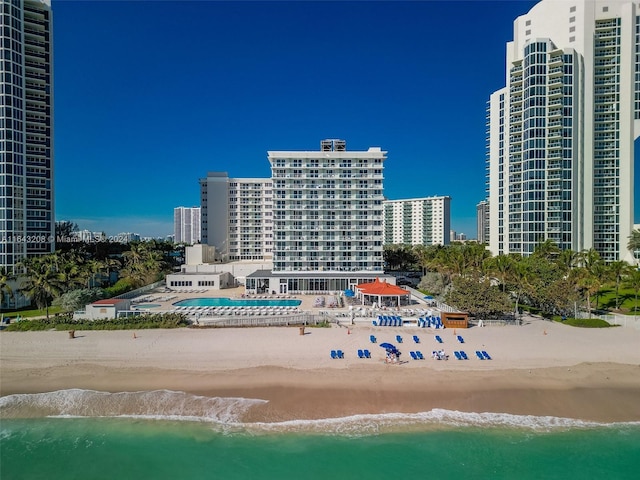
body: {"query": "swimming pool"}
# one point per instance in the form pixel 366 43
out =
pixel 227 302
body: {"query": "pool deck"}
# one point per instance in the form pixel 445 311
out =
pixel 360 314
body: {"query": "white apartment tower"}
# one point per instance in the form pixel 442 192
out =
pixel 186 225
pixel 327 209
pixel 417 221
pixel 237 217
pixel 561 133
pixel 482 222
pixel 27 223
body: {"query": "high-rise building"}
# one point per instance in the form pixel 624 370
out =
pixel 27 223
pixel 561 132
pixel 327 209
pixel 237 216
pixel 417 221
pixel 186 225
pixel 482 222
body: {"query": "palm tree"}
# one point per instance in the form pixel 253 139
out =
pixel 634 243
pixel 42 282
pixel 500 266
pixel 5 288
pixel 618 270
pixel 547 249
pixel 633 282
pixel 567 259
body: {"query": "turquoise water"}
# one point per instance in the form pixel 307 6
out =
pixel 438 444
pixel 227 302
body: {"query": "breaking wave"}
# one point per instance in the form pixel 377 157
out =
pixel 227 413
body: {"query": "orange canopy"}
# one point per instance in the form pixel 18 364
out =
pixel 381 289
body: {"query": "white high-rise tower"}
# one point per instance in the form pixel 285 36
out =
pixel 561 133
pixel 27 223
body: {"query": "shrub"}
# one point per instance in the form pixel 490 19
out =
pixel 66 322
pixel 584 322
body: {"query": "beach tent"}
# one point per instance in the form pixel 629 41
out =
pixel 379 291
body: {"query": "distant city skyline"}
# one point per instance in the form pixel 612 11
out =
pixel 150 96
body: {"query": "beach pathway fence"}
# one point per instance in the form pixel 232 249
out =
pixel 301 319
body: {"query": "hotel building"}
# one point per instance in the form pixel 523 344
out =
pixel 561 132
pixel 27 224
pixel 417 221
pixel 237 216
pixel 186 225
pixel 315 225
pixel 327 209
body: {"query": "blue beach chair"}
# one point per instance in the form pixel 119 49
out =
pixel 367 353
pixel 416 339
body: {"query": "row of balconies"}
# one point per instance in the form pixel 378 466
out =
pixel 330 237
pixel 335 188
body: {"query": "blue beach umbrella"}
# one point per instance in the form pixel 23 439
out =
pixel 388 346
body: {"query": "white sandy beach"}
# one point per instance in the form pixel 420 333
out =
pixel 540 368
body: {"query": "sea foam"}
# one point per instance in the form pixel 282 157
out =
pixel 158 404
pixel 227 414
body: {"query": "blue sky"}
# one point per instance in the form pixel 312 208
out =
pixel 151 95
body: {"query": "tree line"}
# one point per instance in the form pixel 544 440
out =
pixel 77 274
pixel 551 281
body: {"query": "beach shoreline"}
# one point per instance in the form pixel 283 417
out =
pixel 542 370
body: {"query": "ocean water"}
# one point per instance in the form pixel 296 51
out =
pixel 79 434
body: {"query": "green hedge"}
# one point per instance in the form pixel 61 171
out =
pixel 65 322
pixel 584 322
